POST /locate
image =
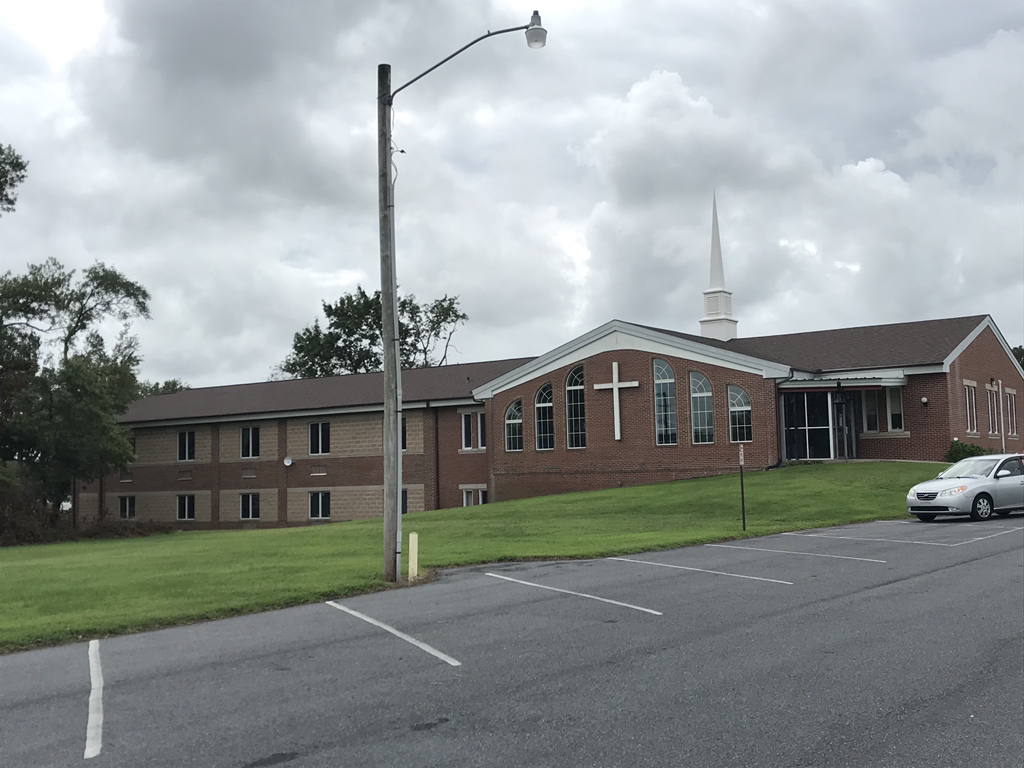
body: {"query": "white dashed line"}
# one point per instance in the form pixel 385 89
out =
pixel 702 570
pixel 990 536
pixel 94 728
pixel 790 552
pixel 577 594
pixel 397 633
pixel 865 538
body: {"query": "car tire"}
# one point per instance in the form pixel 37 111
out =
pixel 981 509
pixel 926 518
pixel 1002 512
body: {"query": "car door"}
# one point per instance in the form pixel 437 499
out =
pixel 1008 492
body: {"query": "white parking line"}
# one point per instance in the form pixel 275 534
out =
pixel 94 728
pixel 397 633
pixel 790 552
pixel 578 594
pixel 865 538
pixel 701 570
pixel 990 536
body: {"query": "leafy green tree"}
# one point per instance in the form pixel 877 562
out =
pixel 1018 352
pixel 351 341
pixel 169 387
pixel 13 171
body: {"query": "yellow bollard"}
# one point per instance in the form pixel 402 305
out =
pixel 414 556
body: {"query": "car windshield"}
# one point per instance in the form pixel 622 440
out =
pixel 976 466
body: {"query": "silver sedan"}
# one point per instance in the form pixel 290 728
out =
pixel 977 486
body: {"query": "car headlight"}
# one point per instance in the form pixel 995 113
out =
pixel 953 491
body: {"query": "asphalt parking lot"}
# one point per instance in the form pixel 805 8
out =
pixel 880 644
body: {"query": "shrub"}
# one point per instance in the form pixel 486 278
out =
pixel 959 450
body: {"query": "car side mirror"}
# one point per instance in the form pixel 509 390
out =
pixel 1003 473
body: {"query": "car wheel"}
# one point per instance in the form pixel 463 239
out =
pixel 982 507
pixel 1002 512
pixel 926 518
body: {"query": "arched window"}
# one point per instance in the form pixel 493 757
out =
pixel 741 429
pixel 514 426
pixel 664 403
pixel 575 412
pixel 544 414
pixel 701 414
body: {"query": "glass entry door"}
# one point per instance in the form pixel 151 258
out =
pixel 807 422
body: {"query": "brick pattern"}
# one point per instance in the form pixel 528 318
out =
pixel 348 502
pixel 231 442
pixel 159 445
pixel 231 506
pixel 636 459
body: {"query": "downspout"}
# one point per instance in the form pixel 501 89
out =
pixel 437 463
pixel 1002 417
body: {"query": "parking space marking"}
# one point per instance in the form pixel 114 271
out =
pixel 397 633
pixel 865 538
pixel 578 594
pixel 990 536
pixel 94 727
pixel 790 552
pixel 702 570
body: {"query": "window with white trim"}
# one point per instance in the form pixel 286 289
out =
pixel 514 426
pixel 250 505
pixel 319 505
pixel 993 412
pixel 467 430
pixel 575 409
pixel 126 507
pixel 741 424
pixel 467 497
pixel 187 446
pixel 665 432
pixel 870 410
pixel 894 405
pixel 970 398
pixel 702 417
pixel 250 442
pixel 405 501
pixel 481 429
pixel 403 433
pixel 187 507
pixel 319 438
pixel 544 418
pixel 1011 414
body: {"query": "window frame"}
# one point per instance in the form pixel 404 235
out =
pixel 873 393
pixel 1011 414
pixel 710 410
pixel 317 501
pixel 126 507
pixel 514 427
pixel 748 410
pixel 971 403
pixel 187 445
pixel 467 430
pixel 322 428
pixel 666 407
pixel 576 409
pixel 467 497
pixel 993 412
pixel 481 430
pixel 186 503
pixel 250 442
pixel 890 411
pixel 250 511
pixel 548 420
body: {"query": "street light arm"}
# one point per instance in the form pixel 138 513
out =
pixel 449 58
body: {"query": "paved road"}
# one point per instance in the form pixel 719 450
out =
pixel 882 644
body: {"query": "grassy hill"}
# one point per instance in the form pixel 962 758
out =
pixel 73 591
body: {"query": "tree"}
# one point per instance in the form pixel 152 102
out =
pixel 58 412
pixel 169 387
pixel 351 341
pixel 1018 352
pixel 13 171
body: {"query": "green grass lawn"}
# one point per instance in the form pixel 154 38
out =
pixel 57 593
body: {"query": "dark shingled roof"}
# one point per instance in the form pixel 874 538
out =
pixel 447 382
pixel 925 342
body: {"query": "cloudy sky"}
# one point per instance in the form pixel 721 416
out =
pixel 868 159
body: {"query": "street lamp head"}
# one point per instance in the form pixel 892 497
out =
pixel 536 35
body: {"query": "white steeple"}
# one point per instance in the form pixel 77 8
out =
pixel 717 322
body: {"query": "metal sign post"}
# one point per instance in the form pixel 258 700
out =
pixel 743 497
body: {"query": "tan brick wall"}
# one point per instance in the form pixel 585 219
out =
pixel 353 502
pixel 356 434
pixel 159 445
pixel 156 506
pixel 414 431
pixel 231 506
pixel 231 442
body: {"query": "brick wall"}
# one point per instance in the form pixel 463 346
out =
pixel 925 435
pixel 636 458
pixel 230 442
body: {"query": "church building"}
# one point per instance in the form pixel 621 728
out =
pixel 623 404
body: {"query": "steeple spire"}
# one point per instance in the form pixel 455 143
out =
pixel 717 271
pixel 717 322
